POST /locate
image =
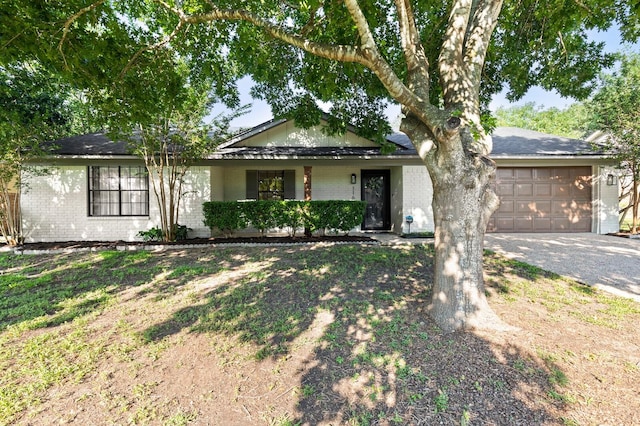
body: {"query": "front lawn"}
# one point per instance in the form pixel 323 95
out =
pixel 302 335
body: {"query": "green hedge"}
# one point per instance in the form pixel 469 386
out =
pixel 318 216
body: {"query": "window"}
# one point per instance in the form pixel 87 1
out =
pixel 118 191
pixel 271 184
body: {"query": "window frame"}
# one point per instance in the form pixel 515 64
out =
pixel 119 200
pixel 271 194
pixel 252 185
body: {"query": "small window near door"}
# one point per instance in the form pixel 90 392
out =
pixel 271 184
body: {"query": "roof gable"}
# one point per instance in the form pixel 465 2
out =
pixel 285 134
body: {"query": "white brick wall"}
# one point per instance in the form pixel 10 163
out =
pixel 54 208
pixel 334 182
pixel 605 204
pixel 417 193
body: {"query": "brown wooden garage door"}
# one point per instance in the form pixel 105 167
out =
pixel 543 199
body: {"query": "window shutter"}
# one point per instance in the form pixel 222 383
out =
pixel 252 185
pixel 289 184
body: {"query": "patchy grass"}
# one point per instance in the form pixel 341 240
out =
pixel 302 335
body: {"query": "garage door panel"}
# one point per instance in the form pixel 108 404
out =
pixel 543 190
pixel 562 224
pixel 552 199
pixel 583 224
pixel 522 225
pixel 507 189
pixel 507 206
pixel 543 208
pixel 563 173
pixel 524 208
pixel 524 189
pixel 542 224
pixel 506 224
pixel 523 173
pixel 561 190
pixel 543 174
pixel 503 174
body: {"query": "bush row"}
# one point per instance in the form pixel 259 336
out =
pixel 318 216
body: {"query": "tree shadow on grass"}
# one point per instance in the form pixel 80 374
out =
pixel 371 356
pixel 58 288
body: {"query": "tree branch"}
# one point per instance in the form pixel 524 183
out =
pixel 154 46
pixel 450 61
pixel 366 54
pixel 484 22
pixel 417 62
pixel 70 21
pixel 412 100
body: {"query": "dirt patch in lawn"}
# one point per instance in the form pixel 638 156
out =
pixel 313 335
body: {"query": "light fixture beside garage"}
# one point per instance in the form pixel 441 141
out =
pixel 353 178
pixel 611 179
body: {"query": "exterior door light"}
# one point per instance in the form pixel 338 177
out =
pixel 611 179
pixel 353 178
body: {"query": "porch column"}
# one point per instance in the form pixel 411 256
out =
pixel 307 193
pixel 307 183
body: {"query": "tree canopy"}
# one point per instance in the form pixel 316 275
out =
pixel 34 106
pixel 573 121
pixel 615 111
pixel 535 42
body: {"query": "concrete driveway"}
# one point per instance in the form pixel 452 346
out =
pixel 610 263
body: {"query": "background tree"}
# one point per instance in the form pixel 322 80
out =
pixel 572 122
pixel 615 109
pixel 160 112
pixel 440 61
pixel 34 107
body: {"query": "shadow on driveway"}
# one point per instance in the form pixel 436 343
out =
pixel 606 262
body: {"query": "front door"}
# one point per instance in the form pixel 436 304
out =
pixel 375 186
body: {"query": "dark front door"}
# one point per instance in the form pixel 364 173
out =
pixel 376 192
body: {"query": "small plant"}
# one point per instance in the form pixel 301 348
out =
pixel 558 377
pixel 156 233
pixel 181 232
pixel 441 401
pixel 308 391
pixel 153 234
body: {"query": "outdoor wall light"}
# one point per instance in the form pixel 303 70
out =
pixel 611 179
pixel 353 178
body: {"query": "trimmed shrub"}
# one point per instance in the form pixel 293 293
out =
pixel 260 214
pixel 336 215
pixel 318 216
pixel 225 216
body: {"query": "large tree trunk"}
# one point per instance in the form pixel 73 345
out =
pixel 463 202
pixel 461 218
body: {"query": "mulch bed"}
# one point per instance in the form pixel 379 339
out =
pixel 106 245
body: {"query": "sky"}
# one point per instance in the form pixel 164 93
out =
pixel 261 112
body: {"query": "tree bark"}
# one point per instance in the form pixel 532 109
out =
pixel 463 202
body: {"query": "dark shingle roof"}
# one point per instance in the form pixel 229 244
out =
pixel 507 142
pixel 512 142
pixel 89 144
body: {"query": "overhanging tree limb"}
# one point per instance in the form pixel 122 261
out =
pixel 367 54
pixel 67 25
pixel 415 57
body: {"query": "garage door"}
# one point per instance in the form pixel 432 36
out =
pixel 543 199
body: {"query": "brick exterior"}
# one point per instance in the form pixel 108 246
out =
pixel 55 208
